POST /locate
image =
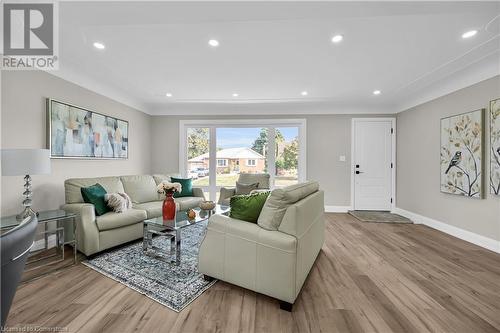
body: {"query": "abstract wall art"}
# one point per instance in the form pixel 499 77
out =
pixel 495 147
pixel 75 132
pixel 462 144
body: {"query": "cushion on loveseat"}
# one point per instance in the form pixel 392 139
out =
pixel 261 178
pixel 165 177
pixel 140 188
pixel 152 208
pixel 276 204
pixel 95 195
pixel 112 220
pixel 72 187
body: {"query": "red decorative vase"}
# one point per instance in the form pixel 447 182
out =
pixel 169 206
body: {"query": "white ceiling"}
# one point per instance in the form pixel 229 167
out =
pixel 271 51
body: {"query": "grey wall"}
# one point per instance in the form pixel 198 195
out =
pixel 23 126
pixel 328 137
pixel 418 158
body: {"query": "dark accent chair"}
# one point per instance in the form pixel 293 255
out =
pixel 15 246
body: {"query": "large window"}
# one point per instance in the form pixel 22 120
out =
pixel 214 153
pixel 286 149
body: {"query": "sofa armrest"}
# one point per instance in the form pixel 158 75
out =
pixel 198 192
pixel 87 233
pixel 226 193
pixel 300 216
pixel 224 223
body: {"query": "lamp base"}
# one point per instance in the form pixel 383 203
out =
pixel 25 213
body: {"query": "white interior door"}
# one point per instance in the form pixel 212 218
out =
pixel 372 162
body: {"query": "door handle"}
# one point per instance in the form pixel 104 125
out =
pixel 358 172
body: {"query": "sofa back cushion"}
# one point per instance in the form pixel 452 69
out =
pixel 250 178
pixel 242 188
pixel 72 187
pixel 280 199
pixel 140 188
pixel 165 177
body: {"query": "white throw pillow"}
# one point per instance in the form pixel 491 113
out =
pixel 118 202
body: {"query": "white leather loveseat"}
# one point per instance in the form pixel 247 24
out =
pixel 272 262
pixel 98 233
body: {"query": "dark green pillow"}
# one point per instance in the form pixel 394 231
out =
pixel 95 195
pixel 187 187
pixel 247 207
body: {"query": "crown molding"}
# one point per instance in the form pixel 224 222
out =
pixel 284 108
pixel 477 72
pixel 98 87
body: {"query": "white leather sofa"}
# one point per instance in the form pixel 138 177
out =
pixel 272 262
pixel 98 233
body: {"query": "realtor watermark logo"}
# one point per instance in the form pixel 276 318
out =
pixel 30 36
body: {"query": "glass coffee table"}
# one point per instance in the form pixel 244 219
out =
pixel 172 229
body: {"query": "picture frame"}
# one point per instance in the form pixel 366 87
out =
pixel 462 154
pixel 494 116
pixel 76 132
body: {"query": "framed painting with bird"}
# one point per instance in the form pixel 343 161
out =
pixel 495 147
pixel 462 145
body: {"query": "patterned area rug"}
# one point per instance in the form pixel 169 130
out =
pixel 156 275
pixel 378 216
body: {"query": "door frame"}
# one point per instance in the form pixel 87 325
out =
pixel 393 153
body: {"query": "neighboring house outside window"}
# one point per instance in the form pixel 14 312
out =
pixel 231 160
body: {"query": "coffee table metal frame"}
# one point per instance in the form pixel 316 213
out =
pixel 172 229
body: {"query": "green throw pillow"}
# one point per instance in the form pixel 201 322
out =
pixel 95 195
pixel 247 207
pixel 187 187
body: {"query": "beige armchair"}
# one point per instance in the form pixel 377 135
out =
pixel 272 262
pixel 245 178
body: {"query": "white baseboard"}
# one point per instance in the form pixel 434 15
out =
pixel 465 235
pixel 40 243
pixel 337 209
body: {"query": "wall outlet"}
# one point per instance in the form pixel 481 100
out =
pixel 342 158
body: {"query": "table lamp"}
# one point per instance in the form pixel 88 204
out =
pixel 25 162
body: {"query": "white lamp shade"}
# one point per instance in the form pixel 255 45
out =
pixel 20 162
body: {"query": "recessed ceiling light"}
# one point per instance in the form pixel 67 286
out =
pixel 99 46
pixel 213 42
pixel 168 94
pixel 304 93
pixel 235 95
pixel 469 34
pixel 377 92
pixel 337 38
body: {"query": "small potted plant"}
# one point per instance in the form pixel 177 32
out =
pixel 169 207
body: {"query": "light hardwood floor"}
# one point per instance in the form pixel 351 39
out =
pixel 368 277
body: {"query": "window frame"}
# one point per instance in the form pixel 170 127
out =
pixel 213 124
pixel 223 164
pixel 250 164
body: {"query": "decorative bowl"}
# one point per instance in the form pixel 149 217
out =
pixel 207 205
